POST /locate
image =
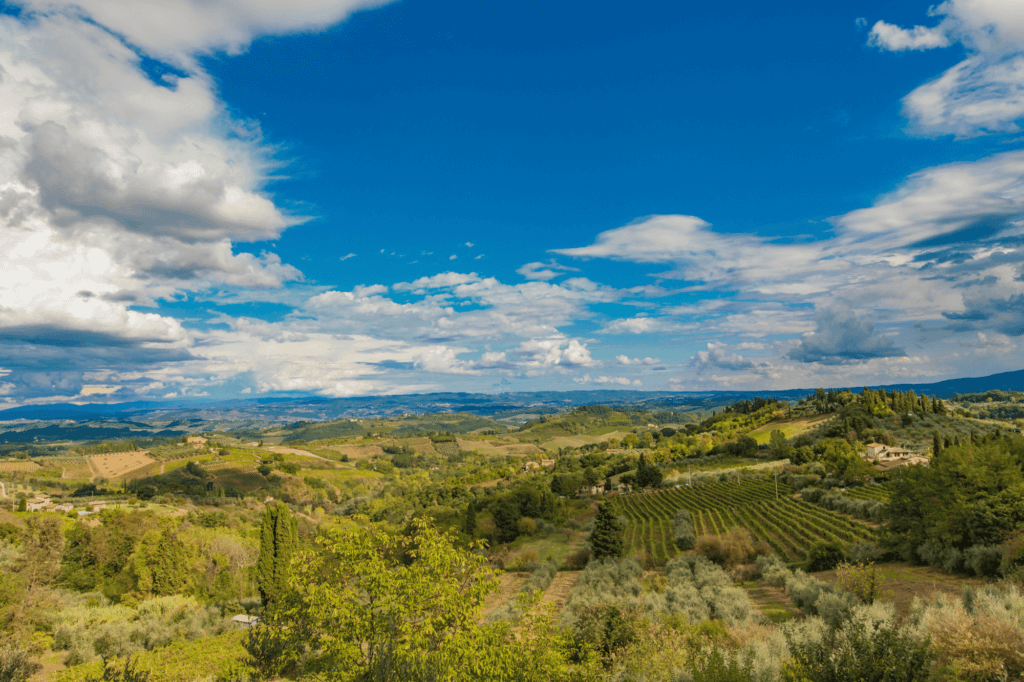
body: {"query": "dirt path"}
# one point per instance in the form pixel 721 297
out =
pixel 3 490
pixel 558 591
pixel 771 601
pixel 510 584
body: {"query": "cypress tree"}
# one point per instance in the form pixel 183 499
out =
pixel 936 444
pixel 606 538
pixel 469 527
pixel 277 543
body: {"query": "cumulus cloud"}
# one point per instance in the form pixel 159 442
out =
pixel 118 191
pixel 842 337
pixel 645 362
pixel 896 39
pixel 982 94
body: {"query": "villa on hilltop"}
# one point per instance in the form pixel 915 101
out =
pixel 886 457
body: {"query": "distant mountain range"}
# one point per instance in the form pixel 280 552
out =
pixel 172 417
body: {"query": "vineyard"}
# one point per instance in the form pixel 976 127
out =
pixel 875 493
pixel 788 525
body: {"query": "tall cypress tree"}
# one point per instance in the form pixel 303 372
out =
pixel 469 526
pixel 277 543
pixel 606 538
pixel 936 444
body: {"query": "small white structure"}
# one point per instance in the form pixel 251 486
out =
pixel 245 621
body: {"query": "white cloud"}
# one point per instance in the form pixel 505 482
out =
pixel 347 256
pixel 176 30
pixel 890 37
pixel 621 381
pixel 646 362
pixel 982 94
pixel 544 271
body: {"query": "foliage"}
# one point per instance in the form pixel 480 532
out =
pixel 15 665
pixel 277 544
pixel 824 556
pixel 606 538
pixel 685 537
pixel 971 495
pixel 862 652
pixel 369 605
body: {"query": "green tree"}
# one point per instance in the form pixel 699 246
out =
pixel 277 544
pixel 372 606
pixel 22 504
pixel 469 525
pixel 936 444
pixel 161 564
pixel 506 517
pixel 606 540
pixel 41 547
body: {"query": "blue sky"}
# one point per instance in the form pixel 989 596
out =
pixel 336 197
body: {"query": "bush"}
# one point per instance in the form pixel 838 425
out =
pixel 710 547
pixel 685 538
pixel 578 560
pixel 865 553
pixel 824 556
pixel 984 560
pixel 14 664
pixel 878 653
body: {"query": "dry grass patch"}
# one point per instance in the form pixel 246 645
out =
pixel 499 448
pixel 118 464
pixel 357 451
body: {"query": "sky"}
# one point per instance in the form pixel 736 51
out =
pixel 250 198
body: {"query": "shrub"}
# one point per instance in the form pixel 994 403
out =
pixel 983 645
pixel 984 560
pixel 685 537
pixel 14 664
pixel 577 561
pixel 878 653
pixel 710 547
pixel 812 495
pixel 865 553
pixel 824 556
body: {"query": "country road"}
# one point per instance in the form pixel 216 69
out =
pixel 3 490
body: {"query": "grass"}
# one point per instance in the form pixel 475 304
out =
pixel 790 429
pixel 556 545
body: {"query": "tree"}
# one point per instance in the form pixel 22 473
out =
pixel 161 564
pixel 506 517
pixel 469 525
pixel 647 475
pixel 606 538
pixel 936 444
pixel 373 606
pixel 41 547
pixel 22 504
pixel 277 544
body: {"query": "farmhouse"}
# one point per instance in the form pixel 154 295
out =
pixel 37 504
pixel 886 457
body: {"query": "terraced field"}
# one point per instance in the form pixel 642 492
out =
pixel 790 526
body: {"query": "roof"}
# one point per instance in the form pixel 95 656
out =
pixel 875 445
pixel 243 618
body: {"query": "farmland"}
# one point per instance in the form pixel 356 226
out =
pixel 790 429
pixel 789 526
pixel 119 463
pixel 8 467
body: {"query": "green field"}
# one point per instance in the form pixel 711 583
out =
pixel 790 429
